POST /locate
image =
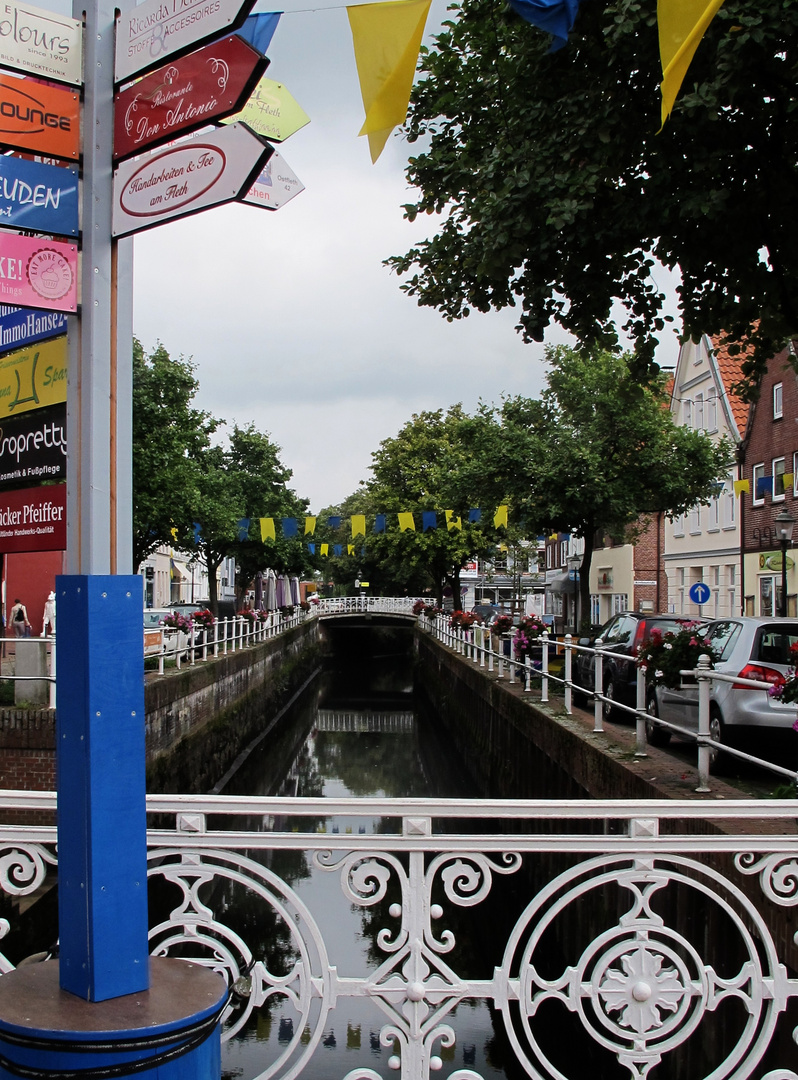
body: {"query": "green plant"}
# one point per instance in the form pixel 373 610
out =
pixel 665 656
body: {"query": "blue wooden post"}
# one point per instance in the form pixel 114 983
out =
pixel 102 853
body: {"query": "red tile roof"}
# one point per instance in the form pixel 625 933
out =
pixel 730 372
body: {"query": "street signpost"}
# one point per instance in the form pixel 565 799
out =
pixel 37 272
pixel 41 42
pixel 202 87
pixel 276 185
pixel 41 198
pixel 700 592
pixel 157 29
pixel 41 118
pixel 272 111
pixel 22 326
pixel 214 168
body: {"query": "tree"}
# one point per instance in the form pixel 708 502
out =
pixel 558 191
pixel 598 451
pixel 431 464
pixel 169 434
pixel 244 480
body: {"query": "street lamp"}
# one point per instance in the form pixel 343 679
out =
pixel 784 522
pixel 574 562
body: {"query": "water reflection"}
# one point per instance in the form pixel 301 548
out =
pixel 346 738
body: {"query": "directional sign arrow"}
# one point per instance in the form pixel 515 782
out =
pixel 186 94
pixel 38 117
pixel 276 185
pixel 213 168
pixel 38 197
pixel 150 33
pixel 272 111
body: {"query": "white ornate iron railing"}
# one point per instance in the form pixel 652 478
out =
pixel 627 891
pixel 476 644
pixel 355 605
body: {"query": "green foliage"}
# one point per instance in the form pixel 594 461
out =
pixel 557 190
pixel 598 450
pixel 169 434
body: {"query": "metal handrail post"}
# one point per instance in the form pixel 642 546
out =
pixel 640 719
pixel 598 688
pixel 490 651
pixel 527 674
pixel 544 669
pixel 52 671
pixel 567 673
pixel 501 657
pixel 512 667
pixel 703 723
pixel 162 653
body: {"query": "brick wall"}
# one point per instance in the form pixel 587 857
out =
pixel 649 566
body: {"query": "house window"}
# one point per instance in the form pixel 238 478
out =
pixel 713 514
pixel 595 608
pixel 757 494
pixel 563 552
pixel 694 520
pixel 620 602
pixel 699 412
pixel 687 412
pixel 778 407
pixel 549 556
pixel 712 412
pixel 778 479
pixel 731 578
pixel 729 501
pixel 678 525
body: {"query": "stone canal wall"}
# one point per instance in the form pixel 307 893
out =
pixel 196 719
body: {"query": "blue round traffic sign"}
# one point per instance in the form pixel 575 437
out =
pixel 699 593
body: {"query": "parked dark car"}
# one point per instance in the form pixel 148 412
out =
pixel 624 633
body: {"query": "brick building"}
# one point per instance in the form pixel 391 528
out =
pixel 770 465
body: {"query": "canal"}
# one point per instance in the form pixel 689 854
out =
pixel 355 732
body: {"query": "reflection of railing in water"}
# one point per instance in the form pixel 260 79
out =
pixel 644 981
pixel 384 722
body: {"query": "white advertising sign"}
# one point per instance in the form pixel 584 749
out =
pixel 275 186
pixel 41 43
pixel 184 178
pixel 157 29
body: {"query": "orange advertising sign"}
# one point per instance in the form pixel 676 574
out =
pixel 38 117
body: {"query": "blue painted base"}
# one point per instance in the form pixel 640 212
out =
pixel 169 1032
pixel 102 838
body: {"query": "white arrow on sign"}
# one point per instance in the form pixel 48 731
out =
pixel 275 186
pixel 186 177
pixel 157 29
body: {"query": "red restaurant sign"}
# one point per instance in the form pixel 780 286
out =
pixel 38 117
pixel 33 519
pixel 204 86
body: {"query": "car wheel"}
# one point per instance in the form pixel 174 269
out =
pixel 718 761
pixel 656 735
pixel 608 704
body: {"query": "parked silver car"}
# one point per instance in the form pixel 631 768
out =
pixel 753 648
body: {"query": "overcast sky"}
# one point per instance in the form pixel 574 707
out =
pixel 291 319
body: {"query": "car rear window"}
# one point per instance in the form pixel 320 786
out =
pixel 773 644
pixel 665 626
pixel 723 637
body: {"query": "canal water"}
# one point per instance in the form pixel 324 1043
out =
pixel 354 733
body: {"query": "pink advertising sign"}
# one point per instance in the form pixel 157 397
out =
pixel 38 273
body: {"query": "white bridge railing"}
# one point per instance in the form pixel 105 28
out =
pixel 477 645
pixel 354 605
pixel 662 933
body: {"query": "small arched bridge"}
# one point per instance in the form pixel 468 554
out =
pixel 358 607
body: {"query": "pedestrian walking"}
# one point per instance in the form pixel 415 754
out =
pixel 19 619
pixel 48 619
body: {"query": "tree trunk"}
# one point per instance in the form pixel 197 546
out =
pixel 457 595
pixel 213 563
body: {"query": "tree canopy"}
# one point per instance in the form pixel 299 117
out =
pixel 558 192
pixel 169 434
pixel 597 451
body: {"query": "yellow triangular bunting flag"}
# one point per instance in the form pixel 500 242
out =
pixel 350 549
pixel 500 517
pixel 387 38
pixel 358 526
pixel 310 526
pixel 787 479
pixel 406 522
pixel 267 529
pixel 682 24
pixel 453 522
pixel 325 548
pixel 740 486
